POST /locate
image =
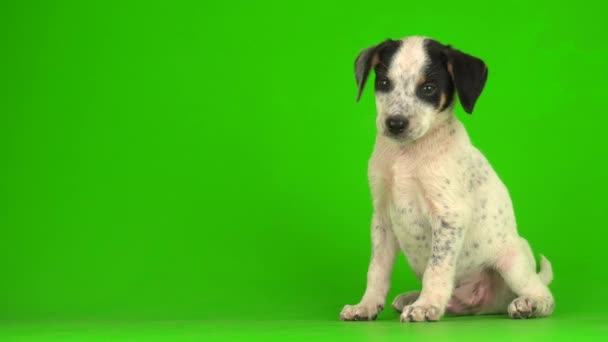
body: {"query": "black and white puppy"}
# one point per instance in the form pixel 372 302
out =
pixel 436 197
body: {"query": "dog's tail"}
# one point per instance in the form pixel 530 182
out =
pixel 546 271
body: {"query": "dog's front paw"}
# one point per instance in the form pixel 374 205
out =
pixel 420 313
pixel 360 312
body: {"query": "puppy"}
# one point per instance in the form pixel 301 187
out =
pixel 436 197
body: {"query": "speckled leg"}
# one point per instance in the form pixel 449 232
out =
pixel 384 252
pixel 438 278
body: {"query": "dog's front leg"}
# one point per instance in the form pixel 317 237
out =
pixel 438 279
pixel 384 251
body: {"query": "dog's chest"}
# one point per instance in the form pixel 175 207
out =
pixel 398 182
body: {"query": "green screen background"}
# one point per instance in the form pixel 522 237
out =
pixel 206 161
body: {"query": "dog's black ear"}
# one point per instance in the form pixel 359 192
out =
pixel 364 63
pixel 469 75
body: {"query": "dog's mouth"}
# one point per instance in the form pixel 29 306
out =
pixel 401 137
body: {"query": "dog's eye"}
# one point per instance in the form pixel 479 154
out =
pixel 383 83
pixel 428 89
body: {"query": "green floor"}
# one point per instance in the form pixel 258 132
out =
pixel 560 327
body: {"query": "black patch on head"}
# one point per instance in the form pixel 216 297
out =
pixel 452 70
pixel 436 72
pixel 378 57
pixel 386 53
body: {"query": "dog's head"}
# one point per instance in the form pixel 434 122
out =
pixel 416 79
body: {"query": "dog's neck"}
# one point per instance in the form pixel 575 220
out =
pixel 443 137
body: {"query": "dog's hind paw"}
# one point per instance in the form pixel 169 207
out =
pixel 522 307
pixel 405 299
pixel 529 307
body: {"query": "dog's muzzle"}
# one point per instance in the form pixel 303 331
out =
pixel 396 125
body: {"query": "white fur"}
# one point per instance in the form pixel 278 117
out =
pixel 437 199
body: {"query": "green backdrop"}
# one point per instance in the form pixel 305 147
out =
pixel 175 161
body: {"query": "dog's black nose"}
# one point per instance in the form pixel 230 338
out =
pixel 396 124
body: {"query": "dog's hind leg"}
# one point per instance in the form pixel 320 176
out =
pixel 404 299
pixel 518 268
